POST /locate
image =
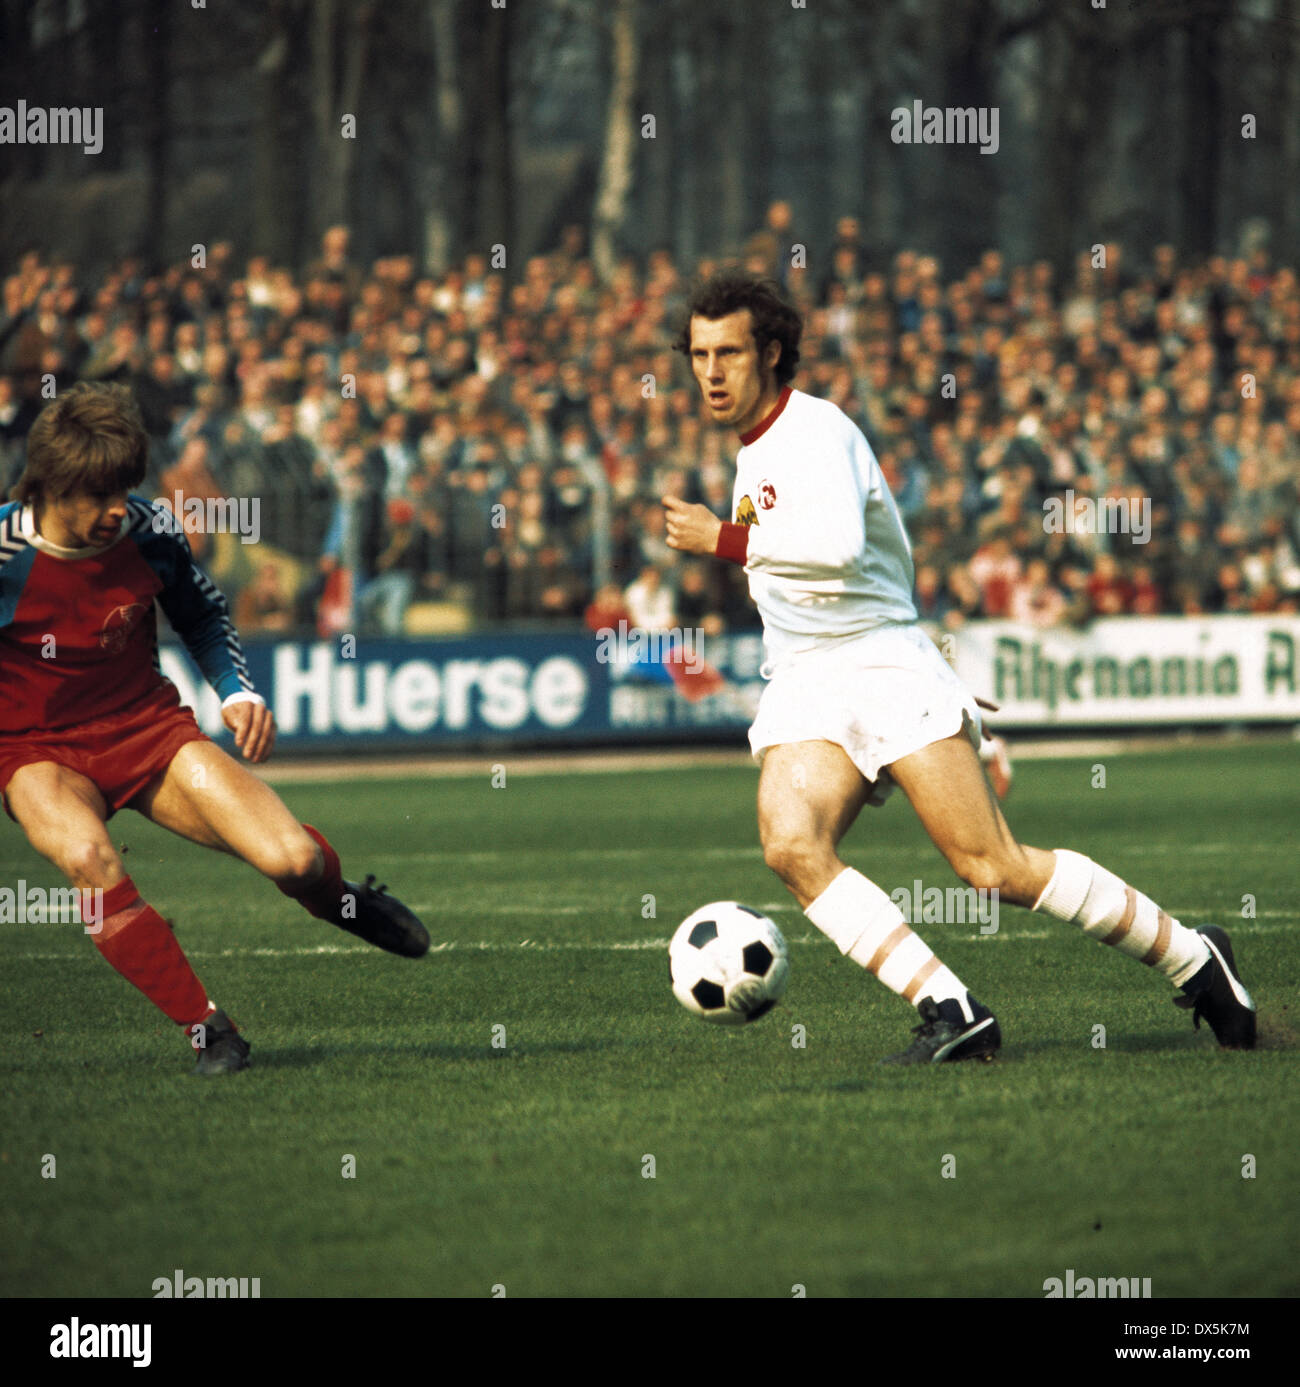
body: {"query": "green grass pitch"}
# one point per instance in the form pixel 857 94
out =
pixel 525 1164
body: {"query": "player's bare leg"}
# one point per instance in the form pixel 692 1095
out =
pixel 64 817
pixel 809 794
pixel 208 797
pixel 954 802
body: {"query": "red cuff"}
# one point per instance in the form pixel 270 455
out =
pixel 733 542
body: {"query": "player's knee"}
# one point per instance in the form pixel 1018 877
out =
pixel 1006 871
pixel 983 871
pixel 90 862
pixel 294 862
pixel 791 856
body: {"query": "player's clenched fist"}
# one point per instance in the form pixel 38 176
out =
pixel 692 528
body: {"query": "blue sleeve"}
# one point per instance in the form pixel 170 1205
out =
pixel 16 557
pixel 198 612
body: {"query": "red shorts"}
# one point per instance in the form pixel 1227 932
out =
pixel 120 754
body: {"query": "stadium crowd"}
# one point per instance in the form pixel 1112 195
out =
pixel 492 448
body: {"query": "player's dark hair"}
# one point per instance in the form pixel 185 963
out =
pixel 90 439
pixel 774 319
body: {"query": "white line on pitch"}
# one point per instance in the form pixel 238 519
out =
pixel 751 852
pixel 592 946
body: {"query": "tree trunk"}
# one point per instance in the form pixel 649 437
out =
pixel 327 204
pixel 490 131
pixel 157 129
pixel 756 75
pixel 687 233
pixel 355 56
pixel 621 134
pixel 656 200
pixel 734 98
pixel 1061 191
pixel 967 200
pixel 1205 111
pixel 1288 59
pixel 337 82
pixel 272 229
pixel 440 179
pixel 18 73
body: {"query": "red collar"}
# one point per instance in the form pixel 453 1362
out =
pixel 769 419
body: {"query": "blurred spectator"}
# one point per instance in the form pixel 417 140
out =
pixel 607 609
pixel 995 570
pixel 163 396
pixel 383 600
pixel 933 603
pixel 515 416
pixel 334 270
pixel 649 601
pixel 263 605
pixel 1147 599
pixel 190 479
pixel 1109 591
pixel 963 597
pixel 696 604
pixel 1229 592
pixel 393 458
pixel 1035 599
pixel 16 417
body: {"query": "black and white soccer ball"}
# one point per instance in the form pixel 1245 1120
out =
pixel 729 963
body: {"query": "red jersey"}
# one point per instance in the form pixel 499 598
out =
pixel 78 627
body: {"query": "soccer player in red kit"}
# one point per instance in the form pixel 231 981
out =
pixel 89 725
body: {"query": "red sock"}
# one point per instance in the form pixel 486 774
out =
pixel 139 943
pixel 323 898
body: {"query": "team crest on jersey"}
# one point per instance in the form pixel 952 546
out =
pixel 118 626
pixel 767 495
pixel 745 512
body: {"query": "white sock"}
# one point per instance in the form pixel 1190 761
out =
pixel 864 924
pixel 1112 912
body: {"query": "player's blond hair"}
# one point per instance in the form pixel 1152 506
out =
pixel 91 440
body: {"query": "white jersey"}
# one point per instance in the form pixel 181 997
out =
pixel 827 555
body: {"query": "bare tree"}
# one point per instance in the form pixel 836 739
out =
pixel 272 230
pixel 157 121
pixel 619 157
pixel 493 132
pixel 440 182
pixel 338 72
pixel 1288 108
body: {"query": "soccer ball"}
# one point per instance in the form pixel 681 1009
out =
pixel 729 963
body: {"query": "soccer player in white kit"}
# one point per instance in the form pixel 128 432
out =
pixel 859 699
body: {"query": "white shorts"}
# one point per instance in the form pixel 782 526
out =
pixel 880 696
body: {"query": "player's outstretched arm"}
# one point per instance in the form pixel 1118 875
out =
pixel 195 607
pixel 692 528
pixel 200 616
